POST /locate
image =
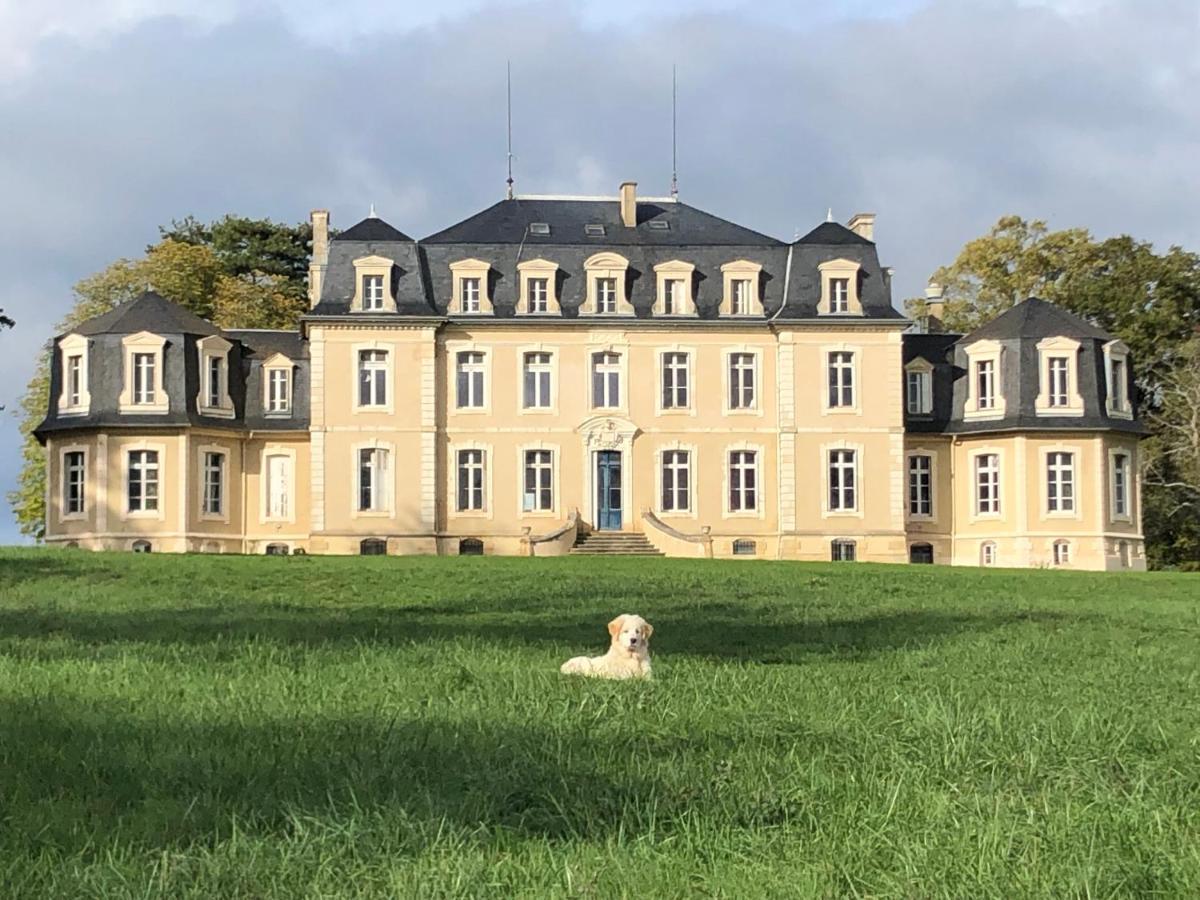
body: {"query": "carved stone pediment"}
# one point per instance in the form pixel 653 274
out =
pixel 607 432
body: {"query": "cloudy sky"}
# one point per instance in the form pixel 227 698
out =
pixel 118 115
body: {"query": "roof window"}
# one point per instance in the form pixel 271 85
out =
pixel 594 230
pixel 539 227
pixel 659 224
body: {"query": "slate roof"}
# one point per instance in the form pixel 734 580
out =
pixel 1035 318
pixel 832 234
pixel 371 228
pixel 149 312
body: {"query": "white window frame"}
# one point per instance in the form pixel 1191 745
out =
pixel 1118 405
pixel 461 272
pixel 909 459
pixel 71 346
pixel 388 351
pixel 1047 402
pixel 531 271
pixel 265 514
pixel 480 364
pixel 1115 514
pixel 211 350
pixel 688 466
pixel 1052 473
pixel 370 267
pixel 977 511
pixel 160 469
pixel 64 513
pixel 606 265
pixel 922 370
pixel 737 271
pixel 278 364
pixel 985 352
pixel 988 553
pixel 153 345
pixel 619 369
pixel 835 270
pixel 202 482
pixel 680 274
pixel 755 370
pixel 827 451
pixel 485 451
pixel 383 484
pixel 548 368
pixel 852 366
pixel 1060 553
pixel 758 467
pixel 667 361
pixel 553 450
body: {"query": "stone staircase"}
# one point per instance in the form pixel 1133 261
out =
pixel 614 543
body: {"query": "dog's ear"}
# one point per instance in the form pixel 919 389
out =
pixel 649 629
pixel 615 625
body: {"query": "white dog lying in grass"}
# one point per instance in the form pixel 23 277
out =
pixel 627 657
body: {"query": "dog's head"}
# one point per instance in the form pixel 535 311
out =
pixel 630 634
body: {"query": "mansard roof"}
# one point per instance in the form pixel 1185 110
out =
pixel 833 234
pixel 1035 318
pixel 372 228
pixel 149 312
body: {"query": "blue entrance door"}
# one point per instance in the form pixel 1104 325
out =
pixel 608 489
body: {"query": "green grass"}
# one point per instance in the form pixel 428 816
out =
pixel 304 727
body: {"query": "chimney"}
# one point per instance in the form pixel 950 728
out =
pixel 320 255
pixel 863 224
pixel 629 204
pixel 935 306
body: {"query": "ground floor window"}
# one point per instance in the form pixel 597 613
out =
pixel 470 480
pixel 73 482
pixel 373 547
pixel 214 483
pixel 743 481
pixel 676 481
pixel 920 553
pixel 1123 551
pixel 143 481
pixel 843 551
pixel 539 481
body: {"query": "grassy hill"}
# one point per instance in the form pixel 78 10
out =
pixel 286 727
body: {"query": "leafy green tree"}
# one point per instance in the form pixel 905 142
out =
pixel 210 270
pixel 5 321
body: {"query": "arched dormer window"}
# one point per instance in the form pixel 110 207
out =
pixel 142 390
pixel 985 385
pixel 839 288
pixel 373 285
pixel 607 292
pixel 213 398
pixel 743 288
pixel 673 296
pixel 75 399
pixel 538 288
pixel 471 291
pixel 1058 378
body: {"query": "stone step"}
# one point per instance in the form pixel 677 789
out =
pixel 614 543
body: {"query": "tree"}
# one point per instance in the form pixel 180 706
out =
pixel 5 321
pixel 187 267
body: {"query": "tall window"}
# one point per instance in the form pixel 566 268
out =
pixel 470 295
pixel 606 380
pixel 741 296
pixel 216 377
pixel 74 475
pixel 539 481
pixel 372 479
pixel 1062 553
pixel 676 481
pixel 143 481
pixel 1120 484
pixel 843 496
pixel 839 295
pixel 918 393
pixel 279 486
pixel 214 483
pixel 470 480
pixel 143 377
pixel 74 380
pixel 673 296
pixel 987 483
pixel 537 381
pixel 1119 398
pixel 372 377
pixel 841 379
pixel 1060 482
pixel 539 295
pixel 741 381
pixel 372 293
pixel 606 295
pixel 674 381
pixel 985 384
pixel 743 481
pixel 1058 369
pixel 469 380
pixel 279 391
pixel 920 486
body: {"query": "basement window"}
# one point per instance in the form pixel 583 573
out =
pixel 743 547
pixel 277 549
pixel 372 547
pixel 594 230
pixel 539 228
pixel 470 547
pixel 843 551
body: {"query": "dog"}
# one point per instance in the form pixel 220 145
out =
pixel 628 656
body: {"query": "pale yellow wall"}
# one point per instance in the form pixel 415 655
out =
pixel 937 529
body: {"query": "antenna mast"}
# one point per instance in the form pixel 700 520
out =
pixel 674 166
pixel 508 73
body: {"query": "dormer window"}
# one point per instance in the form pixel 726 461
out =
pixel 1058 380
pixel 1116 372
pixel 839 288
pixel 143 390
pixel 985 397
pixel 985 384
pixel 213 399
pixel 75 399
pixel 470 289
pixel 593 230
pixel 373 285
pixel 606 275
pixel 538 282
pixel 918 387
pixel 277 385
pixel 606 295
pixel 674 295
pixel 742 288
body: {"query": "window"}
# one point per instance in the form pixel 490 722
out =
pixel 214 484
pixel 842 551
pixel 372 479
pixel 1062 553
pixel 987 484
pixel 1120 399
pixel 143 378
pixel 276 550
pixel 215 386
pixel 372 292
pixel 919 392
pixel 470 480
pixel 674 296
pixel 985 384
pixel 74 476
pixel 469 383
pixel 372 378
pixel 842 487
pixel 606 295
pixel 920 486
pixel 278 486
pixel 606 380
pixel 143 481
pixel 1058 370
pixel 987 554
pixel 1120 484
pixel 470 547
pixel 593 230
pixel 921 554
pixel 841 380
pixel 744 547
pixel 839 295
pixel 1060 482
pixel 373 285
pixel 741 297
pixel 675 381
pixel 539 295
pixel 372 547
pixel 279 391
pixel 1124 553
pixel 74 399
pixel 75 379
pixel 141 546
pixel 741 381
pixel 537 381
pixel 743 481
pixel 539 227
pixel 470 295
pixel 676 481
pixel 539 473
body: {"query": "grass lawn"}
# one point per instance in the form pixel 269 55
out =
pixel 305 727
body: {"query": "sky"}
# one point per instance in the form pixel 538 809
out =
pixel 940 116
